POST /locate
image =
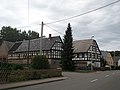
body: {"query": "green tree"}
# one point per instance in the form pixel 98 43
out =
pixel 10 34
pixel 33 34
pixel 67 53
pixel 103 62
pixel 115 53
pixel 40 62
pixel 24 35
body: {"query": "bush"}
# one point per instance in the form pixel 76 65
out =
pixel 113 67
pixel 17 67
pixel 7 66
pixel 40 62
pixel 118 68
pixel 24 75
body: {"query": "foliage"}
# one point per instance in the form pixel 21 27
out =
pixel 6 66
pixel 33 34
pixel 12 34
pixel 23 75
pixel 113 67
pixel 67 53
pixel 17 67
pixel 115 53
pixel 118 68
pixel 103 62
pixel 40 62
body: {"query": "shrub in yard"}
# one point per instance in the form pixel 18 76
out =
pixel 7 66
pixel 118 67
pixel 23 75
pixel 17 67
pixel 40 62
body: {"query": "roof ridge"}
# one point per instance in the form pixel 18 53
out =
pixel 40 37
pixel 35 44
pixel 83 40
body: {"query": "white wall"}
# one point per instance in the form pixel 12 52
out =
pixel 96 64
pixel 119 62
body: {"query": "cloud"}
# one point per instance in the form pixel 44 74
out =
pixel 102 24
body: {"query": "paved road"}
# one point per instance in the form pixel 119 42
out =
pixel 107 80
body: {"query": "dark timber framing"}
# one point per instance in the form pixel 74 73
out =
pixel 51 48
pixel 86 52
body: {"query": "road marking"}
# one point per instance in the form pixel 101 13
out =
pixel 94 80
pixel 107 75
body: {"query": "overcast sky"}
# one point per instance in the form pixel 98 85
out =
pixel 103 24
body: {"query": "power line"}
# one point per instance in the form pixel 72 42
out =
pixel 56 30
pixel 27 26
pixel 75 16
pixel 53 29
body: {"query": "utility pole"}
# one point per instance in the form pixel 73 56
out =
pixel 41 38
pixel 28 57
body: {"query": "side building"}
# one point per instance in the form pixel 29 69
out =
pixel 86 53
pixel 4 48
pixel 23 52
pixel 107 56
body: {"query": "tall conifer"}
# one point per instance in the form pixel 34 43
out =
pixel 67 53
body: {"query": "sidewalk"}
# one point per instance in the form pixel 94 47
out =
pixel 28 83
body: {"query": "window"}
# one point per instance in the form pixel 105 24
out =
pixel 93 55
pixel 89 55
pixel 19 56
pixel 37 53
pixel 77 55
pixel 92 48
pixel 4 58
pixel 86 55
pixel 32 54
pixel 82 55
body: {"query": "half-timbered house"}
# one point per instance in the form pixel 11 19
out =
pixel 86 53
pixel 23 52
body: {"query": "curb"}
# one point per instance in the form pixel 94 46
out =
pixel 30 83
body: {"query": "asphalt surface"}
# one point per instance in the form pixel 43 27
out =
pixel 106 80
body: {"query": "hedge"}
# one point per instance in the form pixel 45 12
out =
pixel 24 75
pixel 7 66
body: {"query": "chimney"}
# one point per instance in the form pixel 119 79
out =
pixel 50 35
